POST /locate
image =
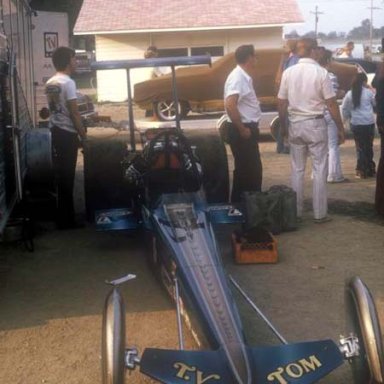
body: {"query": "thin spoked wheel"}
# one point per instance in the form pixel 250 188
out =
pixel 113 339
pixel 363 322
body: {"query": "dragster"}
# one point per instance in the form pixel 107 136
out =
pixel 168 194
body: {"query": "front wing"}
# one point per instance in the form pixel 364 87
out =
pixel 300 363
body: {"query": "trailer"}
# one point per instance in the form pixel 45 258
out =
pixel 25 152
pixel 16 103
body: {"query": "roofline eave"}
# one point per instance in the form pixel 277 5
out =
pixel 192 29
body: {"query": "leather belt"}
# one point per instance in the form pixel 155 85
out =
pixel 319 117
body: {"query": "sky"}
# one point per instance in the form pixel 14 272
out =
pixel 338 15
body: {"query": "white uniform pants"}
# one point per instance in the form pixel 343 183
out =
pixel 334 165
pixel 310 137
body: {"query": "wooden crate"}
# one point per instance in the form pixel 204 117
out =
pixel 254 253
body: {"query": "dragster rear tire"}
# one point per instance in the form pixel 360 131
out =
pixel 103 175
pixel 363 321
pixel 211 151
pixel 113 339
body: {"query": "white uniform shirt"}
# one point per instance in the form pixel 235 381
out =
pixel 59 89
pixel 306 86
pixel 240 83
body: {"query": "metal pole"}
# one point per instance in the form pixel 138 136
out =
pixel 256 309
pixel 178 314
pixel 371 29
pixel 316 13
pixel 372 8
pixel 175 98
pixel 130 112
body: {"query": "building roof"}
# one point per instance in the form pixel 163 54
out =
pixel 129 16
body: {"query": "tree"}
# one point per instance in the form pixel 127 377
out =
pixel 361 32
pixel 310 34
pixel 332 35
pixel 321 36
pixel 292 35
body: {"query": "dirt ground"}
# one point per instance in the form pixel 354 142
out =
pixel 51 300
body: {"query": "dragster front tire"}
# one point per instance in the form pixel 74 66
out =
pixel 363 322
pixel 113 339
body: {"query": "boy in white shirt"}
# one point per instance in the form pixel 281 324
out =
pixel 66 128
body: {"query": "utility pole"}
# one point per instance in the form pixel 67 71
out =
pixel 372 8
pixel 316 13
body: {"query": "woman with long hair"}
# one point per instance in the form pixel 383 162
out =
pixel 358 106
pixel 378 83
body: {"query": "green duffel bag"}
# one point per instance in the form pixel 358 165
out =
pixel 288 206
pixel 263 209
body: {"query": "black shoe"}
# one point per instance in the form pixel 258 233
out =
pixel 360 175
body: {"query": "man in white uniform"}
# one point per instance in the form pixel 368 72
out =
pixel 244 112
pixel 305 91
pixel 66 128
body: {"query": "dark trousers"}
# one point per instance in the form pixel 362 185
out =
pixel 65 145
pixel 248 172
pixel 364 135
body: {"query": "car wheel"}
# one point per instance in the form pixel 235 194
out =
pixel 113 339
pixel 275 128
pixel 212 155
pixel 363 322
pixel 104 186
pixel 221 125
pixel 166 110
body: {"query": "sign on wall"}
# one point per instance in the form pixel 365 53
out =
pixel 51 42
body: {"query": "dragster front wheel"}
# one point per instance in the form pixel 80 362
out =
pixel 113 339
pixel 363 322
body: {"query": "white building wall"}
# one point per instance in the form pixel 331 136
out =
pixel 112 84
pixel 262 38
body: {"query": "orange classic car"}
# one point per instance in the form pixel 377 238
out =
pixel 200 89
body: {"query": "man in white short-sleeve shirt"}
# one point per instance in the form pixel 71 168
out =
pixel 66 128
pixel 305 91
pixel 243 110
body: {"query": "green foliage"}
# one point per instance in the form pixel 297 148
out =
pixel 362 31
pixel 358 33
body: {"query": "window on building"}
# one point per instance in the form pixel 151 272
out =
pixel 173 52
pixel 213 51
